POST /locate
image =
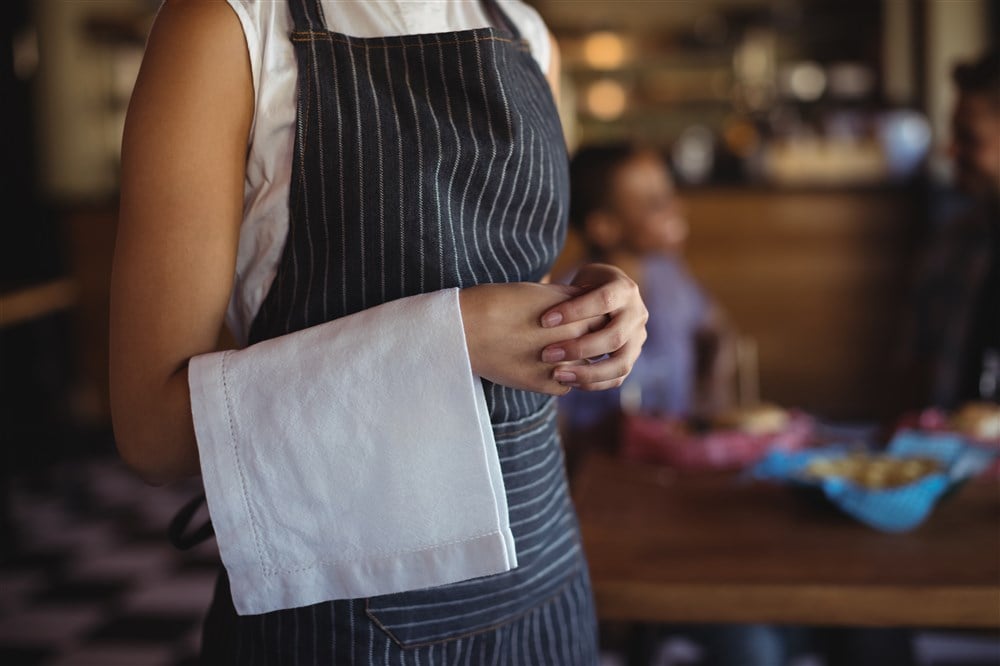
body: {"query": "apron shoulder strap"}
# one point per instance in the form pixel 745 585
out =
pixel 307 15
pixel 499 18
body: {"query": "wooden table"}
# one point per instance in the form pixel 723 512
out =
pixel 666 546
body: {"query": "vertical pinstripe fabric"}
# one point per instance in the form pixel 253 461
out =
pixel 417 148
pixel 426 162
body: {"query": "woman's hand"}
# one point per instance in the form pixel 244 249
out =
pixel 505 337
pixel 607 294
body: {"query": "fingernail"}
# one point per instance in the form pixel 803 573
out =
pixel 564 376
pixel 551 319
pixel 553 355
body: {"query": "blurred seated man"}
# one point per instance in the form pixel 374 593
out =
pixel 955 341
pixel 625 209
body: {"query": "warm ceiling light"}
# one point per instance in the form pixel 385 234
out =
pixel 606 99
pixel 807 81
pixel 604 50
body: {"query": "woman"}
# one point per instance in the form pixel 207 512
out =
pixel 380 460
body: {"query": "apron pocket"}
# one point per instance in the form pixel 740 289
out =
pixel 548 549
pixel 438 615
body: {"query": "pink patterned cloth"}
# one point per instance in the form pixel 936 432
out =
pixel 669 441
pixel 934 420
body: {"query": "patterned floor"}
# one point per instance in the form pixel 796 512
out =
pixel 92 581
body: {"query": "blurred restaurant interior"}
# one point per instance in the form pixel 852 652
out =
pixel 809 143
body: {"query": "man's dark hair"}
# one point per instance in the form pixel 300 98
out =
pixel 981 77
pixel 590 174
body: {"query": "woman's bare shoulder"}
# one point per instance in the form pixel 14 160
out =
pixel 195 48
pixel 196 18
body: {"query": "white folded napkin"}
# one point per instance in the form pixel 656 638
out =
pixel 351 459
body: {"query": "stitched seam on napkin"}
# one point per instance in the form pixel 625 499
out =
pixel 380 556
pixel 239 463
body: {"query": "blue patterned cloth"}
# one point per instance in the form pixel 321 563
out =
pixel 889 509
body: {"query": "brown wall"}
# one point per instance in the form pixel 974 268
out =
pixel 817 279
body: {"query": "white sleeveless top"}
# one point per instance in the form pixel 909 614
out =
pixel 266 25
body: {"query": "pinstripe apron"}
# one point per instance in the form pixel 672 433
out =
pixel 425 162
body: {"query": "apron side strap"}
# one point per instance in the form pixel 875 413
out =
pixel 178 529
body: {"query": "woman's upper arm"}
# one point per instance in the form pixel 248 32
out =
pixel 183 164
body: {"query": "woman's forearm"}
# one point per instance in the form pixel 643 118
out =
pixel 154 431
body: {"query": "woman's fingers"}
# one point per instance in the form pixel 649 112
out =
pixel 615 318
pixel 595 303
pixel 552 385
pixel 606 290
pixel 608 372
pixel 618 332
pixel 606 340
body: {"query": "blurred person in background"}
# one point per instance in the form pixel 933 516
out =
pixel 951 351
pixel 625 209
pixel 954 338
pixel 976 150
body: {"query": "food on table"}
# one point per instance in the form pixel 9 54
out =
pixel 873 471
pixel 980 420
pixel 762 419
